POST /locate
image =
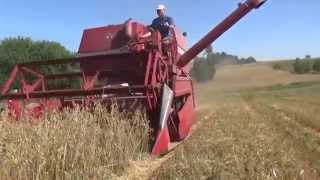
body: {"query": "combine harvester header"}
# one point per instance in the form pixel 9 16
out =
pixel 118 63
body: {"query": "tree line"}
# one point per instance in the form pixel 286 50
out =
pixel 306 65
pixel 204 67
pixel 299 65
pixel 24 49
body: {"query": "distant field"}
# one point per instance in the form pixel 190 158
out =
pixel 237 77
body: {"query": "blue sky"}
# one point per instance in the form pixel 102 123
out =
pixel 281 29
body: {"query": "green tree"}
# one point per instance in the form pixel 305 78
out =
pixel 202 71
pixel 20 49
pixel 246 60
pixel 302 66
pixel 308 56
pixel 277 66
pixel 204 67
pixel 316 66
pixel 251 60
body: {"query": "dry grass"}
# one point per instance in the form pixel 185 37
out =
pixel 234 144
pixel 252 133
pixel 73 144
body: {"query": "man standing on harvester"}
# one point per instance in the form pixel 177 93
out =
pixel 162 23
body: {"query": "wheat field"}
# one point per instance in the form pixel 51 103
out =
pixel 253 123
pixel 73 144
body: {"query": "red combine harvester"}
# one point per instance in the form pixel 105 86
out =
pixel 119 64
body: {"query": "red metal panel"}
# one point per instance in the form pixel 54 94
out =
pixel 14 108
pixel 135 62
pixel 109 37
pixel 182 87
pixel 134 29
pixel 75 92
pixel 181 40
pixel 186 117
pixel 10 81
pixel 162 142
pixel 103 38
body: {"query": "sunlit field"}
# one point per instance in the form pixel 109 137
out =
pixel 74 144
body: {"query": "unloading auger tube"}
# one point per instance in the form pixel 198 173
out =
pixel 214 34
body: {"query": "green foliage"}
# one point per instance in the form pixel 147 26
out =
pixel 245 60
pixel 302 66
pixel 217 58
pixel 20 49
pixel 308 56
pixel 299 66
pixel 277 66
pixel 285 65
pixel 316 66
pixel 251 59
pixel 220 57
pixel 203 70
pixel 204 67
